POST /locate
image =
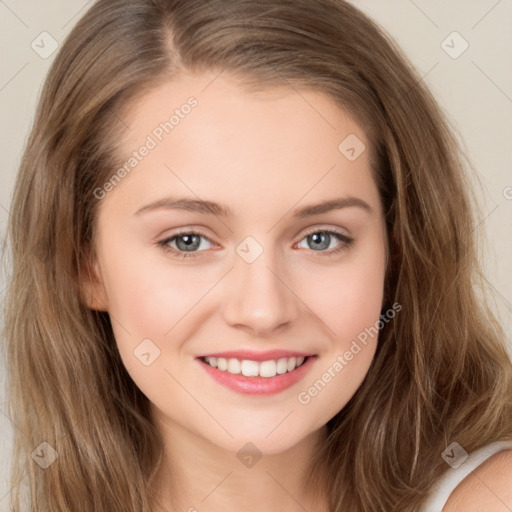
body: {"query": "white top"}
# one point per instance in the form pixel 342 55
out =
pixel 454 475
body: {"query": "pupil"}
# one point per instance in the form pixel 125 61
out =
pixel 189 241
pixel 318 238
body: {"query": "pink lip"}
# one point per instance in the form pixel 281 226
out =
pixel 257 356
pixel 258 385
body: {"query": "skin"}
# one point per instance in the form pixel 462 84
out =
pixel 262 154
pixel 488 487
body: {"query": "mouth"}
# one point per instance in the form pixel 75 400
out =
pixel 260 374
pixel 249 368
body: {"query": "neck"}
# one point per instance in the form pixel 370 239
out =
pixel 197 476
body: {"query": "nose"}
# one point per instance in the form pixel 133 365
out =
pixel 258 297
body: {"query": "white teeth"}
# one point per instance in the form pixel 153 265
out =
pixel 249 368
pixel 268 369
pixel 282 365
pixel 234 366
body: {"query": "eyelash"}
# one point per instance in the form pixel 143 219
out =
pixel 346 243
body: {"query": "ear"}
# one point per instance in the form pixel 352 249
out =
pixel 92 288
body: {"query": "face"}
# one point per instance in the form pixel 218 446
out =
pixel 246 234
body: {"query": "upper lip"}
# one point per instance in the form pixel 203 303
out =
pixel 257 356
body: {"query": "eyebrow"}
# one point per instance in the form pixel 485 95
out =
pixel 210 207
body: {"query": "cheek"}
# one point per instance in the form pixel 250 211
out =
pixel 150 296
pixel 152 299
pixel 348 297
pixel 352 304
pixel 146 301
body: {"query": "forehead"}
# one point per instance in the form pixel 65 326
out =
pixel 208 133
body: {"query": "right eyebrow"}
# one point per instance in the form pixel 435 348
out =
pixel 188 204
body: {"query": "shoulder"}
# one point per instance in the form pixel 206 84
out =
pixel 488 487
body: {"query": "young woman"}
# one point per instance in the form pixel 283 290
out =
pixel 244 274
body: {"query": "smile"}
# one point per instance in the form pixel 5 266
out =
pixel 261 375
pixel 249 368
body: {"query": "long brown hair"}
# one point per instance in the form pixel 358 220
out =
pixel 441 372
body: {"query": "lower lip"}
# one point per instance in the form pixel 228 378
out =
pixel 259 385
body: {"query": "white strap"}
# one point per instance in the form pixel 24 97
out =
pixel 454 476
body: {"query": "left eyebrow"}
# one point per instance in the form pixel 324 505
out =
pixel 333 204
pixel 212 208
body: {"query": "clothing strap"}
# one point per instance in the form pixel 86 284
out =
pixel 453 477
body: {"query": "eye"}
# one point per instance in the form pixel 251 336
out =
pixel 321 240
pixel 186 242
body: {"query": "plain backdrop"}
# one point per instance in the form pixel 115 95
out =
pixel 469 72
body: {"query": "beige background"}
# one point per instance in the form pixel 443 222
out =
pixel 475 90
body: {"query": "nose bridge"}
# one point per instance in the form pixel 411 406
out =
pixel 257 296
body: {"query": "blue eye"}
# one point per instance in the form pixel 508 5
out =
pixel 189 243
pixel 320 240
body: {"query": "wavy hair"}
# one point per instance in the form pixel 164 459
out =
pixel 441 372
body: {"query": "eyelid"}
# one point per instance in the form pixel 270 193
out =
pixel 326 229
